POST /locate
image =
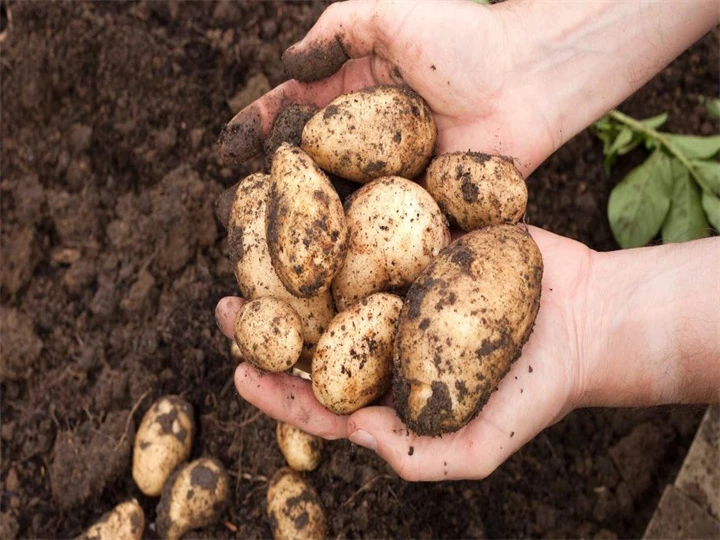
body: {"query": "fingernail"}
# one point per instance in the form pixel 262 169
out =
pixel 364 439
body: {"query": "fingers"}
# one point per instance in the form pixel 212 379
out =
pixel 288 399
pixel 225 313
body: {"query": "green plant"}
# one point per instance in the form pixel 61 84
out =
pixel 676 190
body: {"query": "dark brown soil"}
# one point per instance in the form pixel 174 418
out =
pixel 112 263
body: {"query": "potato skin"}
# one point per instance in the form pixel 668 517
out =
pixel 396 229
pixel 352 366
pixel 269 334
pixel 124 522
pixel 254 272
pixel 477 190
pixel 305 224
pixel 162 442
pixel 195 497
pixel 464 322
pixel 374 132
pixel 302 451
pixel 294 508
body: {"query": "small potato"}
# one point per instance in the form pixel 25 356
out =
pixel 124 522
pixel 374 132
pixel 464 323
pixel 195 497
pixel 476 190
pixel 163 441
pixel 305 224
pixel 396 229
pixel 254 271
pixel 352 366
pixel 294 508
pixel 301 450
pixel 269 334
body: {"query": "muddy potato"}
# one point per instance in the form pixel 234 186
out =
pixel 162 442
pixel 269 334
pixel 352 366
pixel 255 275
pixel 396 229
pixel 124 522
pixel 195 497
pixel 380 131
pixel 476 190
pixel 301 450
pixel 305 224
pixel 294 508
pixel 464 322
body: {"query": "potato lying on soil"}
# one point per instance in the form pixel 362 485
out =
pixel 163 441
pixel 269 334
pixel 294 508
pixel 352 366
pixel 476 190
pixel 380 131
pixel 396 229
pixel 301 450
pixel 195 497
pixel 256 277
pixel 305 224
pixel 464 322
pixel 124 522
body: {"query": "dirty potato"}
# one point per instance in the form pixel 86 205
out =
pixel 294 508
pixel 395 230
pixel 256 277
pixel 301 450
pixel 476 190
pixel 374 132
pixel 305 224
pixel 124 522
pixel 352 366
pixel 163 441
pixel 195 497
pixel 464 322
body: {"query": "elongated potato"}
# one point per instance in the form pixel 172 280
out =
pixel 269 334
pixel 163 441
pixel 396 229
pixel 256 277
pixel 294 508
pixel 301 450
pixel 465 321
pixel 476 190
pixel 195 497
pixel 352 366
pixel 124 522
pixel 374 132
pixel 305 224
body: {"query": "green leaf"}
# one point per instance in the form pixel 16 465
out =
pixel 639 203
pixel 709 173
pixel 655 122
pixel 711 205
pixel 713 108
pixel 686 218
pixel 695 147
pixel 623 138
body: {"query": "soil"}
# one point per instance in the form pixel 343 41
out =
pixel 113 261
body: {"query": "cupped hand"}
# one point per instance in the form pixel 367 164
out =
pixel 542 386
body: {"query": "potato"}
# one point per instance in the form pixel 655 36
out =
pixel 464 322
pixel 124 522
pixel 353 362
pixel 162 442
pixel 195 497
pixel 396 229
pixel 305 224
pixel 269 334
pixel 380 131
pixel 254 272
pixel 476 190
pixel 294 508
pixel 301 450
